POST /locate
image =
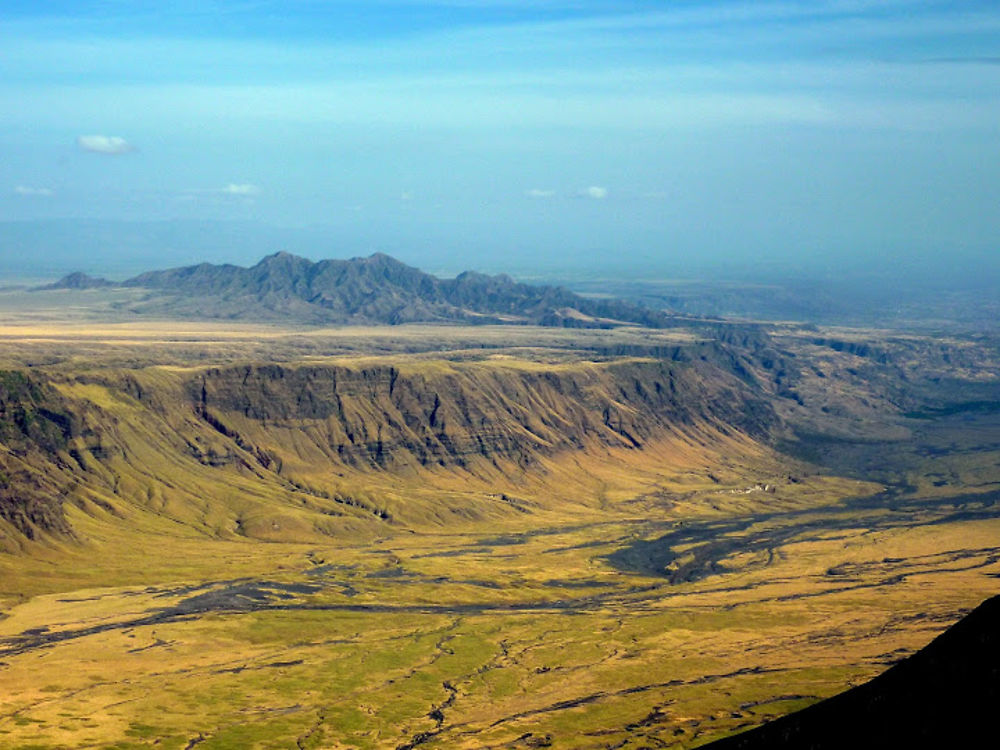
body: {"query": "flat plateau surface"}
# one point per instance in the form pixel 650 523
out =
pixel 676 595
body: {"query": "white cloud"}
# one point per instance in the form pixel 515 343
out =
pixel 244 189
pixel 233 189
pixel 596 192
pixel 39 192
pixel 538 193
pixel 104 144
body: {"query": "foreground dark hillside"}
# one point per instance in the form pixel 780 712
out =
pixel 945 695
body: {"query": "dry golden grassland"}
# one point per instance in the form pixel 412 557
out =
pixel 655 598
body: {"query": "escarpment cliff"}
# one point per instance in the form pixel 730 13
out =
pixel 385 418
pixel 297 449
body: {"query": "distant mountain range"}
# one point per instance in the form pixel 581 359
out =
pixel 374 290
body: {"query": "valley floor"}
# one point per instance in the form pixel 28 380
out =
pixel 621 632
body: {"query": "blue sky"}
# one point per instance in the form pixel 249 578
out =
pixel 502 133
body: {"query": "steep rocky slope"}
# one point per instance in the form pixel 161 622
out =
pixel 385 417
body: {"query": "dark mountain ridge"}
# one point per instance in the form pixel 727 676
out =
pixel 376 289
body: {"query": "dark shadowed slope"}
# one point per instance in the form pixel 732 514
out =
pixel 34 435
pixel 377 289
pixel 944 696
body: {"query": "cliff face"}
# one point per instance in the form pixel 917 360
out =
pixel 221 447
pixel 383 418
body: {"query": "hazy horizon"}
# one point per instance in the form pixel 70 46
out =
pixel 40 251
pixel 581 137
